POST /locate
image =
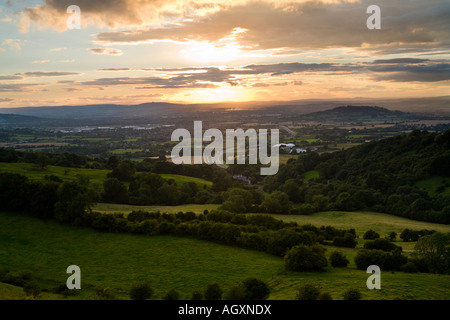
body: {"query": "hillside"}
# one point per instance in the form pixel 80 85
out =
pixel 380 175
pixel 361 114
pixel 117 261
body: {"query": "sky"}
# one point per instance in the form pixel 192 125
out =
pixel 203 51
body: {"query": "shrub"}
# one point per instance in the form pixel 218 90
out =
pixel 385 260
pixel 325 296
pixel 352 294
pixel 381 244
pixel 255 289
pixel 213 292
pixel 234 292
pixel 338 259
pixel 32 289
pixel 172 295
pixel 308 292
pixel 392 236
pixel 141 291
pixel 409 267
pixel 347 241
pixel 104 294
pixel 197 296
pixel 370 235
pixel 305 258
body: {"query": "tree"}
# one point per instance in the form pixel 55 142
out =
pixel 141 291
pixel 434 249
pixel 115 191
pixel 43 160
pixel 392 236
pixel 370 235
pixel 352 294
pixel 124 171
pixel 213 292
pixel 172 295
pixel 308 292
pixel 276 202
pixel 255 289
pixel 235 292
pixel 197 296
pixel 32 289
pixel 338 259
pixel 74 199
pixel 381 244
pixel 305 258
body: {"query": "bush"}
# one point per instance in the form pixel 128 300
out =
pixel 32 289
pixel 255 289
pixel 347 241
pixel 213 292
pixel 141 291
pixel 172 295
pixel 234 292
pixel 325 296
pixel 338 259
pixel 308 292
pixel 409 267
pixel 18 278
pixel 197 296
pixel 352 294
pixel 381 244
pixel 305 258
pixel 385 260
pixel 104 294
pixel 370 235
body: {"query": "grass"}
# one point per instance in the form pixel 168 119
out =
pixel 179 180
pixel 124 151
pixel 313 174
pixel 33 172
pixel 187 265
pixel 98 176
pixel 431 184
pixel 125 208
pixel 362 221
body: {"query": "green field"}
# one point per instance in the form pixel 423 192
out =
pixel 313 174
pixel 98 176
pixel 125 208
pixel 179 180
pixel 119 260
pixel 362 221
pixel 433 183
pixel 32 171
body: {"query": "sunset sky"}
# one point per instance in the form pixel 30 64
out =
pixel 136 51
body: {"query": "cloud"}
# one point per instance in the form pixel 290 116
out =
pixel 48 74
pixel 5 100
pixel 16 87
pixel 308 25
pixel 404 69
pixel 401 72
pixel 11 77
pixel 13 44
pixel 107 51
pixel 41 61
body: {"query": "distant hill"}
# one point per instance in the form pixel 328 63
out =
pixel 8 119
pixel 362 114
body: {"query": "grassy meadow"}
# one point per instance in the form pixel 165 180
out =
pixel 117 261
